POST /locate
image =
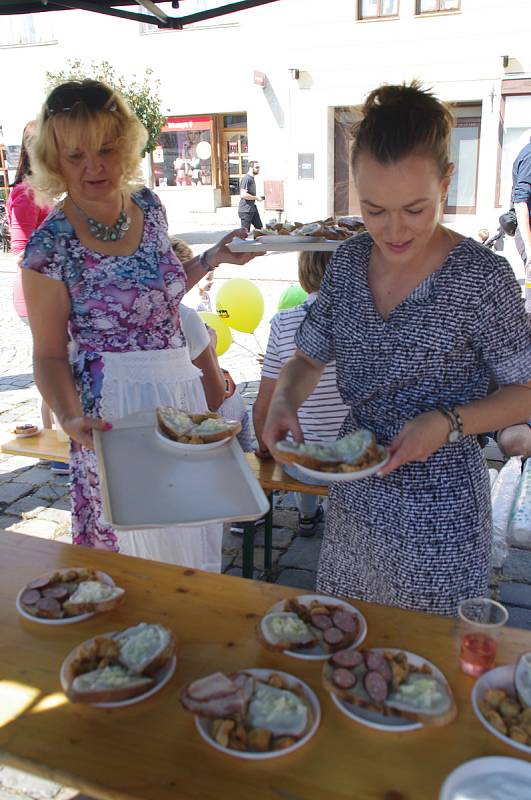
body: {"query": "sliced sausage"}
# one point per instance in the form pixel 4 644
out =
pixel 59 592
pixel 30 597
pixel 347 658
pixel 49 607
pixel 344 621
pixel 321 621
pixel 344 678
pixel 376 686
pixel 333 636
pixel 38 583
pixel 377 662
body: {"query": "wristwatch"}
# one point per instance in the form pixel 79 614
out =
pixel 455 423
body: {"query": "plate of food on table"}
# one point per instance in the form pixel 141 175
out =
pixel 25 430
pixel 311 627
pixel 489 778
pixel 120 668
pixel 66 596
pixel 501 699
pixel 356 455
pixel 388 689
pixel 253 714
pixel 323 234
pixel 187 432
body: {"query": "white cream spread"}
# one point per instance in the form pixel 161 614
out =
pixel 109 677
pixel 141 643
pixel 349 449
pixel 277 710
pixel 286 626
pixel 421 693
pixel 211 425
pixel 92 592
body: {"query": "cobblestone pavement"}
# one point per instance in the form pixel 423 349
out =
pixel 36 502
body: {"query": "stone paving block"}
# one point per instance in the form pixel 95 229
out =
pixel 226 561
pixel 34 475
pixel 7 522
pixel 24 783
pixel 515 594
pixel 281 537
pixel 63 503
pixel 42 528
pixel 519 617
pixel 29 506
pixel 50 492
pixel 518 565
pixel 302 554
pixel 258 558
pixel 300 578
pixel 13 463
pixel 9 492
pixel 236 572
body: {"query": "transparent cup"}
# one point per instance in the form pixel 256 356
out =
pixel 480 622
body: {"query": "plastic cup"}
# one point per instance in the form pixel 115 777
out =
pixel 480 622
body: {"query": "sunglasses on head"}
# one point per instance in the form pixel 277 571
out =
pixel 65 98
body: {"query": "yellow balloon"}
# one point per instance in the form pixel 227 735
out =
pixel 240 304
pixel 224 335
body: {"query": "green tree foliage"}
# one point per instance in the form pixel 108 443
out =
pixel 142 94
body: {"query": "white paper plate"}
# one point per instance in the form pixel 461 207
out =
pixel 381 722
pixel 284 244
pixel 185 447
pixel 203 725
pixel 498 678
pixel 497 773
pixel 343 477
pixel 65 620
pixel 161 678
pixel 317 653
pixel 29 434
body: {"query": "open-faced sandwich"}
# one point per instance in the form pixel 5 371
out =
pixel 300 627
pixel 118 666
pixel 25 429
pixel 329 229
pixel 354 452
pixel 187 428
pixel 387 682
pixel 250 713
pixel 70 593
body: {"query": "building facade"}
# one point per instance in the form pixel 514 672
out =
pixel 280 84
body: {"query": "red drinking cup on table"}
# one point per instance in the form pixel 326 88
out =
pixel 480 621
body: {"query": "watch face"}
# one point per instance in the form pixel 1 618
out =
pixel 453 436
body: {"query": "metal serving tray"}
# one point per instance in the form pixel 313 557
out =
pixel 145 484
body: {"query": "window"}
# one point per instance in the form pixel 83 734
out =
pixel 376 9
pixel 24 29
pixel 435 6
pixel 184 155
pixel 465 156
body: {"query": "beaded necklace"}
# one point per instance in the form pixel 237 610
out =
pixel 103 232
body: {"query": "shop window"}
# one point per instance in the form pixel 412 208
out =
pixel 184 155
pixel 465 157
pixel 516 133
pixel 235 121
pixel 26 29
pixel 436 6
pixel 376 9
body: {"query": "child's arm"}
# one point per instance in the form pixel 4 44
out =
pixel 260 409
pixel 213 379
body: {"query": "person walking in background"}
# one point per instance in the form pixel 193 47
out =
pixel 323 412
pixel 521 197
pixel 24 216
pixel 247 210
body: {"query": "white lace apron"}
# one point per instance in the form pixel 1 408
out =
pixel 140 381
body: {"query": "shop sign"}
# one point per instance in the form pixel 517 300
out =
pixel 187 124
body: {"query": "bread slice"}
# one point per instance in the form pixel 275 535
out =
pixel 145 648
pixel 215 429
pixel 93 596
pixel 173 423
pixel 355 451
pixel 313 456
pixel 285 630
pixel 108 684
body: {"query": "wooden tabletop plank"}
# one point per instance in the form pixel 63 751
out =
pixel 152 750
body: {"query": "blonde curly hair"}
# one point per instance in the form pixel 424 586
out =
pixel 84 114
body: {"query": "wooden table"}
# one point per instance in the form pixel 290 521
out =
pixel 152 750
pixel 270 475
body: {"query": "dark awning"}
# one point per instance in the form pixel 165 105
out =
pixel 161 13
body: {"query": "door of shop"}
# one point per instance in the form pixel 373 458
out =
pixel 235 163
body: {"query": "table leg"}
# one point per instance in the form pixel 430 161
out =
pixel 268 538
pixel 248 549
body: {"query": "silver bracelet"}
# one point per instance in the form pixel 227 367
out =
pixel 204 262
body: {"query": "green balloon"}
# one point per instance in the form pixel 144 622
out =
pixel 291 297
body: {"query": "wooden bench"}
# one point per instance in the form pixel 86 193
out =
pixel 48 447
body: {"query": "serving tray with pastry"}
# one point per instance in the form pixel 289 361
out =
pixel 389 689
pixel 65 596
pixel 120 668
pixel 253 714
pixel 310 627
pixel 350 458
pixel 324 234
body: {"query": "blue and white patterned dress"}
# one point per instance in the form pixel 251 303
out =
pixel 420 537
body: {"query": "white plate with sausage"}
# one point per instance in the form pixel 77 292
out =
pixel 41 586
pixel 377 720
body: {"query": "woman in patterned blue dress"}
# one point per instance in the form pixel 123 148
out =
pixel 418 319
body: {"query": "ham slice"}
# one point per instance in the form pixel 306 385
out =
pixel 232 705
pixel 211 687
pixel 219 696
